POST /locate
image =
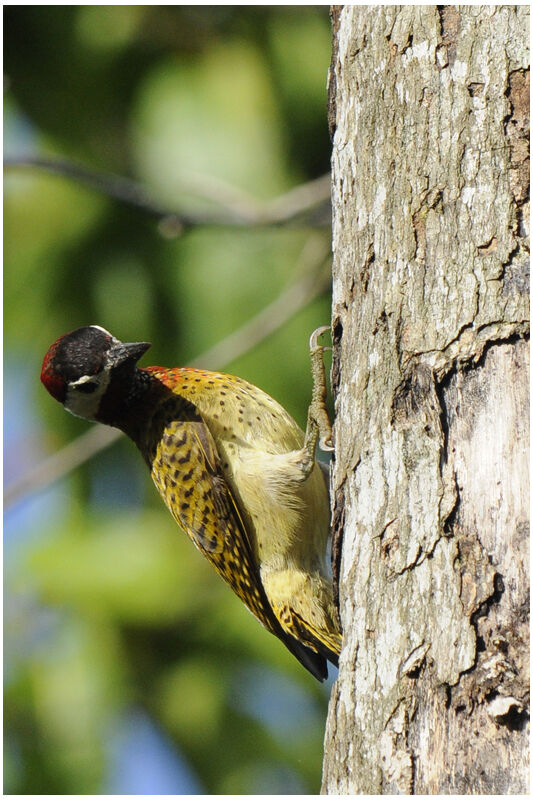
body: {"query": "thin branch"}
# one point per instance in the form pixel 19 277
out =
pixel 314 282
pixel 113 186
pixel 273 316
pixel 307 205
pixel 311 197
pixel 54 467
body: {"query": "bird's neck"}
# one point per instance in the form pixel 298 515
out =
pixel 127 402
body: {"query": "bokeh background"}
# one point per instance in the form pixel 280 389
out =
pixel 129 666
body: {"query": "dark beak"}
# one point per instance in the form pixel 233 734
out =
pixel 127 351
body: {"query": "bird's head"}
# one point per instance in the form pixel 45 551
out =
pixel 88 369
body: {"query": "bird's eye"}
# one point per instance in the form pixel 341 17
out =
pixel 88 387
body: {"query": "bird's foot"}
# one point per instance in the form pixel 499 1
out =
pixel 318 424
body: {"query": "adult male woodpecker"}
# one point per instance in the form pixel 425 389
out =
pixel 232 466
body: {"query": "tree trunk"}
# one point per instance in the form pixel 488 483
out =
pixel 430 373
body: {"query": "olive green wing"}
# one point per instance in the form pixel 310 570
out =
pixel 186 472
pixel 185 468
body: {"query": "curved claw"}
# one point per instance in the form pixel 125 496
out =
pixel 313 339
pixel 326 444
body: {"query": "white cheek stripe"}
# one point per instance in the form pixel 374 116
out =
pixel 87 405
pixel 84 379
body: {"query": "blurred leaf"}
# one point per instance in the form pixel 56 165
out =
pixel 129 568
pixel 191 700
pixel 214 116
pixel 38 227
pixel 109 605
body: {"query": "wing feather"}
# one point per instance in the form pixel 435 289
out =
pixel 185 467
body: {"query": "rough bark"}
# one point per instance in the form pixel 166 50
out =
pixel 430 319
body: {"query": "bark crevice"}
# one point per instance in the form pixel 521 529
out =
pixel 430 316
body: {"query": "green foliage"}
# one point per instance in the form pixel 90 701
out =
pixel 108 605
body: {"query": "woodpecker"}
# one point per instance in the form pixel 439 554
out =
pixel 234 469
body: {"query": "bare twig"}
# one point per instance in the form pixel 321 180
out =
pixel 306 205
pixel 311 197
pixel 61 463
pixel 113 186
pixel 314 282
pixel 273 316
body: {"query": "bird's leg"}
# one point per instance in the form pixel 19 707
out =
pixel 285 472
pixel 318 424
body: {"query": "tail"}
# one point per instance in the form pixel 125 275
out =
pixel 313 648
pixel 315 662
